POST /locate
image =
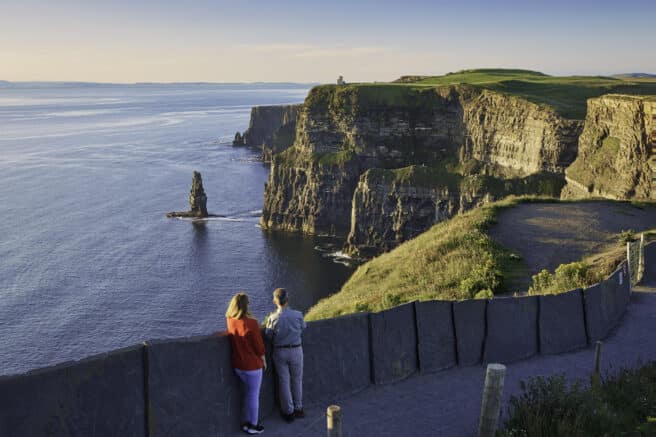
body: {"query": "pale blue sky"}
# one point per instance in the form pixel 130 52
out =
pixel 309 41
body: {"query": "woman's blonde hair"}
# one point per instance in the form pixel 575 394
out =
pixel 238 307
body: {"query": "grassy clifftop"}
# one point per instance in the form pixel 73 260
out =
pixel 455 259
pixel 566 94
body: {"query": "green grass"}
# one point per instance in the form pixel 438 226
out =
pixel 567 95
pixel 455 259
pixel 624 404
pixel 334 158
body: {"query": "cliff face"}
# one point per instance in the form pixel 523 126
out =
pixel 271 128
pixel 456 132
pixel 617 148
pixel 392 206
pixel 516 134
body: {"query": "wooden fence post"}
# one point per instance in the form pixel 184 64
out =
pixel 595 379
pixel 334 421
pixel 491 404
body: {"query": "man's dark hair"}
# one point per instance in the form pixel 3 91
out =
pixel 280 295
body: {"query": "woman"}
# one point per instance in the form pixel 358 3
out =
pixel 247 358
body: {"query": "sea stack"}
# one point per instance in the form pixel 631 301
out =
pixel 197 200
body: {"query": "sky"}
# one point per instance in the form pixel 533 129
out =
pixel 310 41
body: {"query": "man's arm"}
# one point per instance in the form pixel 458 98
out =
pixel 270 325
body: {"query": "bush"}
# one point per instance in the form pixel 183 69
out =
pixel 361 307
pixel 390 300
pixel 627 236
pixel 566 277
pixel 623 405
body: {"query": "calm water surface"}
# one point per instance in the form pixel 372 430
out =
pixel 88 261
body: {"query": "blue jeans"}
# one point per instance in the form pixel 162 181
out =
pixel 251 381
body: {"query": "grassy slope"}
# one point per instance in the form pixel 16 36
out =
pixel 567 95
pixel 452 260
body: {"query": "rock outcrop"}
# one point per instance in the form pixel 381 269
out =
pixel 197 200
pixel 271 128
pixel 617 150
pixel 462 134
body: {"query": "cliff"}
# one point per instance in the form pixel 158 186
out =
pixel 343 131
pixel 392 206
pixel 271 128
pixel 617 150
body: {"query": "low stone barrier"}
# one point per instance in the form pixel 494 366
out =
pixel 512 329
pixel 562 322
pixel 598 314
pixel 393 344
pixel 192 389
pixel 187 386
pixel 469 322
pixel 100 396
pixel 436 339
pixel 606 303
pixel 336 358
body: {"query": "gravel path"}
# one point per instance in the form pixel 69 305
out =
pixel 546 235
pixel 448 403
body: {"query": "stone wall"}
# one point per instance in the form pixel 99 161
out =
pixel 186 386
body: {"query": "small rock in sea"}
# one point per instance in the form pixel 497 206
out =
pixel 197 200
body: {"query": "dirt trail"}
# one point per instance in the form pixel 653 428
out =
pixel 546 235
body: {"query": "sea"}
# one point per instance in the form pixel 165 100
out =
pixel 88 260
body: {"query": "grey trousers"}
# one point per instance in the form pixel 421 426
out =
pixel 289 367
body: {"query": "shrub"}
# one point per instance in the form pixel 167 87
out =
pixel 566 277
pixel 624 404
pixel 390 300
pixel 484 294
pixel 627 236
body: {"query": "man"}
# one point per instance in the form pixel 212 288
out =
pixel 285 327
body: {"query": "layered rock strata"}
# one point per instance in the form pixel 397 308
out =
pixel 392 206
pixel 342 132
pixel 197 200
pixel 617 150
pixel 271 128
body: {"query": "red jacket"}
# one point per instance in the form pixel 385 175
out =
pixel 247 344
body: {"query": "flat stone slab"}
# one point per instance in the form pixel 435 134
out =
pixel 598 313
pixel 469 322
pixel 193 390
pixel 436 341
pixel 98 396
pixel 512 329
pixel 393 344
pixel 336 358
pixel 562 322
